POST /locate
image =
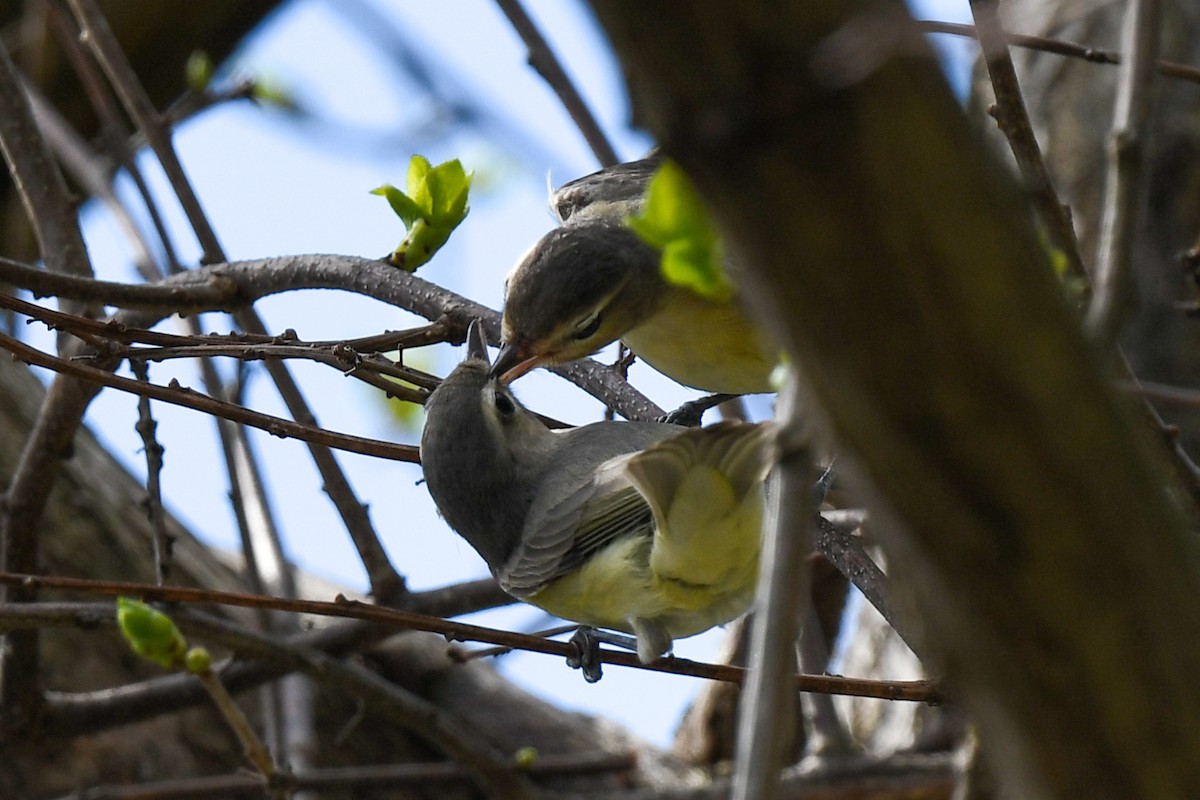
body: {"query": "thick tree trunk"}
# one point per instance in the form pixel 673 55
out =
pixel 1017 498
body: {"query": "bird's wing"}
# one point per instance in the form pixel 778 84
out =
pixel 581 521
pixel 704 487
pixel 736 450
pixel 585 502
pixel 616 189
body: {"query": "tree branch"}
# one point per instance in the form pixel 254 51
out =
pixel 542 59
pixel 1125 180
pixel 1013 119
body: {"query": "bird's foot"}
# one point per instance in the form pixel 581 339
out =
pixel 586 640
pixel 690 413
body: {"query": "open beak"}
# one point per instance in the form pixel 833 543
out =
pixel 515 360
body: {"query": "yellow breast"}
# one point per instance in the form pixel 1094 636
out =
pixel 708 346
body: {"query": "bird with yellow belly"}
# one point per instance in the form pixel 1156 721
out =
pixel 592 281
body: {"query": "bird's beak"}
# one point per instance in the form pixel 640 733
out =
pixel 477 341
pixel 515 360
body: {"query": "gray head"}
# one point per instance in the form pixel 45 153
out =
pixel 581 287
pixel 482 453
pixel 615 191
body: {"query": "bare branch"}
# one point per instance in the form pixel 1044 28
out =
pixel 260 278
pixel 380 776
pixel 146 427
pixel 188 398
pixel 764 714
pixel 1095 55
pixel 96 34
pixel 1125 180
pixel 1014 122
pixel 542 59
pixel 204 294
pixel 43 191
pixel 914 691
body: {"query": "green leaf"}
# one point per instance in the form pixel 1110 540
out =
pixel 150 633
pixel 404 206
pixel 434 205
pixel 675 220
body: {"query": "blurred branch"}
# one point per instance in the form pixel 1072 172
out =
pixel 1095 55
pixel 48 204
pixel 377 776
pixel 98 37
pixel 1125 180
pixel 542 59
pixel 765 714
pixel 1013 119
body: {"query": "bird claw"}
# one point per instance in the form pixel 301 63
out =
pixel 587 653
pixel 690 413
pixel 586 640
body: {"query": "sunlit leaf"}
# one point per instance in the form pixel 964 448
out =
pixel 675 220
pixel 433 206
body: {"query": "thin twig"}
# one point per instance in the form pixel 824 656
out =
pixel 254 280
pixel 377 776
pixel 1014 122
pixel 826 734
pixel 1125 179
pixel 252 746
pixel 96 34
pixel 1095 55
pixel 543 60
pixel 162 541
pixel 495 773
pixel 276 426
pixel 913 691
pixel 387 586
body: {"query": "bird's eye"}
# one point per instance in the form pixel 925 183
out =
pixel 505 404
pixel 588 327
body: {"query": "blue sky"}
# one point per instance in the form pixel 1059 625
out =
pixel 272 185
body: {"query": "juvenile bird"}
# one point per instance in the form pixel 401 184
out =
pixel 642 527
pixel 592 281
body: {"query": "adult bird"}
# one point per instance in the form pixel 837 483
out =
pixel 644 527
pixel 592 281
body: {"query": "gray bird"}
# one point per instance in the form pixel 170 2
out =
pixel 592 281
pixel 642 527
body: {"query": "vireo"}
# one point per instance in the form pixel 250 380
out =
pixel 592 281
pixel 642 527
